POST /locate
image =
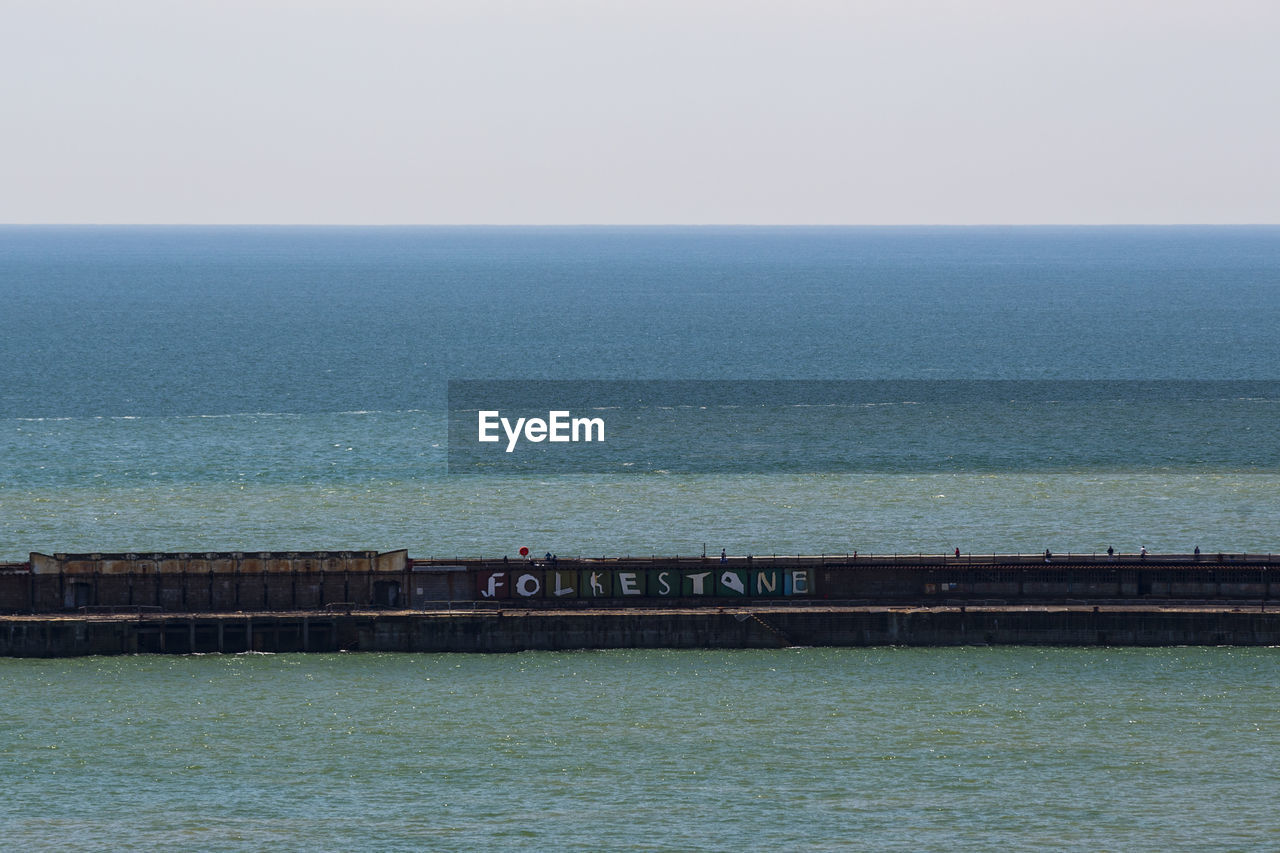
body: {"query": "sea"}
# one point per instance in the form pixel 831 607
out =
pixel 279 388
pixel 244 389
pixel 790 749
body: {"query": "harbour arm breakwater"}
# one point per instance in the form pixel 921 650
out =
pixel 78 604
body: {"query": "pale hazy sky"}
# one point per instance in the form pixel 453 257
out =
pixel 647 111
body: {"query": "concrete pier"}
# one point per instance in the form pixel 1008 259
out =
pixel 326 601
pixel 508 630
pixel 313 581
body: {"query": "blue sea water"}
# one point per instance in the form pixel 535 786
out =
pixel 285 388
pixel 255 388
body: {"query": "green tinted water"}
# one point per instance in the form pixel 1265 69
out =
pixel 586 515
pixel 815 749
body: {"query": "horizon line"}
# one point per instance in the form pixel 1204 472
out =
pixel 602 225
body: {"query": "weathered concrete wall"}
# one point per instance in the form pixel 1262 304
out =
pixel 512 631
pixel 312 580
pixel 818 627
pixel 226 562
pixel 15 591
pixel 102 636
pixel 202 592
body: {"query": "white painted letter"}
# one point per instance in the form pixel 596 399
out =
pixel 662 579
pixel 495 581
pixel 627 583
pixel 733 582
pixel 561 590
pixel 523 584
pixel 699 582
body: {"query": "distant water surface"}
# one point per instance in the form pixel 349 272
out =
pixel 255 388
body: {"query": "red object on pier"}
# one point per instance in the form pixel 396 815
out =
pixel 524 552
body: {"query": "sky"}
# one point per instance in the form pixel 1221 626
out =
pixel 640 112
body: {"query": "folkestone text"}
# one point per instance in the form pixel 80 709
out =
pixel 652 583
